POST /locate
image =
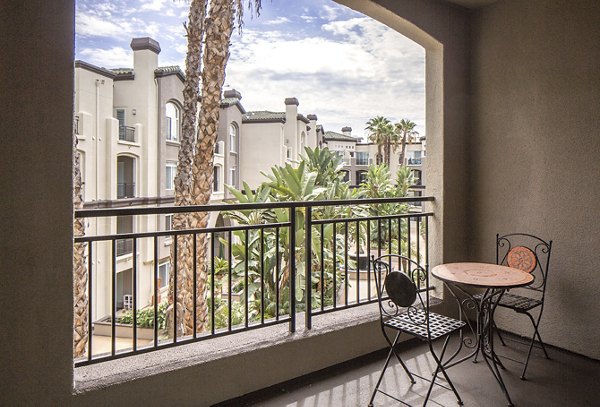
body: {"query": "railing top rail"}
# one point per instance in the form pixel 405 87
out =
pixel 98 213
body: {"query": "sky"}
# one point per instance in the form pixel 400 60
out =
pixel 341 65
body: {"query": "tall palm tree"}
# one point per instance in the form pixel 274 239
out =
pixel 381 132
pixel 405 131
pixel 183 180
pixel 210 24
pixel 80 275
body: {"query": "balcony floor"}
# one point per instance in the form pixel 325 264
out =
pixel 565 380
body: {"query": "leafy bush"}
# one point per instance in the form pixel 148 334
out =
pixel 145 317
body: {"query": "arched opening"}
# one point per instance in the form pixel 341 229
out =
pixel 173 126
pixel 126 174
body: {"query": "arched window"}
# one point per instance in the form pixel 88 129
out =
pixel 216 178
pixel 173 114
pixel 233 137
pixel 361 176
pixel 125 177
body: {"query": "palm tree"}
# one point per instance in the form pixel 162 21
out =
pixel 210 24
pixel 405 131
pixel 381 132
pixel 80 276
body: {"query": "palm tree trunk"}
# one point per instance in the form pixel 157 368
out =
pixel 219 26
pixel 386 152
pixel 183 180
pixel 403 149
pixel 80 275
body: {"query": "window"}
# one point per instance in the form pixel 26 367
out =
pixel 219 148
pixel 361 177
pixel 362 158
pixel 171 170
pixel 164 269
pixel 233 138
pixel 346 176
pixel 120 113
pixel 233 176
pixel 168 222
pixel 125 177
pixel 172 122
pixel 216 178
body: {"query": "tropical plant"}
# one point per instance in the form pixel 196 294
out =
pixel 405 132
pixel 145 317
pixel 381 132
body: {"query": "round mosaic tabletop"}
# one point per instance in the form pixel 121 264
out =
pixel 482 275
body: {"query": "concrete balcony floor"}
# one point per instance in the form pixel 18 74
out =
pixel 564 380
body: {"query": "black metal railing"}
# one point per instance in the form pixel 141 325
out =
pixel 127 133
pixel 256 273
pixel 414 161
pixel 125 190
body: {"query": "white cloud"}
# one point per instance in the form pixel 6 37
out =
pixel 277 21
pixel 152 5
pixel 91 25
pixel 329 13
pixel 116 57
pixel 308 19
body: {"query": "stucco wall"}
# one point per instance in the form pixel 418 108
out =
pixel 535 163
pixel 36 216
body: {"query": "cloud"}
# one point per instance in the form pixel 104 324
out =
pixel 116 57
pixel 152 5
pixel 329 13
pixel 308 19
pixel 277 21
pixel 90 25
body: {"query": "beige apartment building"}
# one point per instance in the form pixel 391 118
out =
pixel 128 127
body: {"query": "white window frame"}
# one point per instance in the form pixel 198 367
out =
pixel 170 180
pixel 173 126
pixel 217 184
pixel 167 266
pixel 234 133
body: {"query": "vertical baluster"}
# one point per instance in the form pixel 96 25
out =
pixel 195 285
pixel 134 293
pixel 323 267
pixel 292 261
pixel 175 302
pixel 308 266
pixel 334 271
pixel 346 263
pixel 262 275
pixel 155 323
pixel 246 263
pixel 409 239
pixel 369 259
pixel 113 329
pixel 357 262
pixel 277 271
pixel 418 237
pixel 90 300
pixel 378 237
pixel 212 282
pixel 229 285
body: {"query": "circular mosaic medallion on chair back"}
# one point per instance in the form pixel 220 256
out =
pixel 401 290
pixel 521 258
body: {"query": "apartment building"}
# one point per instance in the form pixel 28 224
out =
pixel 358 155
pixel 128 127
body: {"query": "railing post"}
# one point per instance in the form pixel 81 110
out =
pixel 292 269
pixel 308 265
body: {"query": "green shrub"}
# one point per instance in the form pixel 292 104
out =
pixel 145 317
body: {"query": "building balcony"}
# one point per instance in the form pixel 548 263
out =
pixel 127 133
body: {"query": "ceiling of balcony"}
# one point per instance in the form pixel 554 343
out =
pixel 473 4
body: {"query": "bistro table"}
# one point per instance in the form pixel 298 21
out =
pixel 495 280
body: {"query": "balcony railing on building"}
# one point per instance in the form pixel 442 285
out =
pixel 127 133
pixel 414 161
pixel 125 190
pixel 256 274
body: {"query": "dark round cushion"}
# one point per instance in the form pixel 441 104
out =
pixel 401 290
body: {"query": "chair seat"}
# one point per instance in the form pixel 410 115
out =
pixel 439 325
pixel 518 302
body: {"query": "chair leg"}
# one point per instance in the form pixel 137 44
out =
pixel 536 332
pixel 499 336
pixel 387 362
pixel 393 347
pixel 440 368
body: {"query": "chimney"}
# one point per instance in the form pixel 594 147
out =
pixel 232 94
pixel 145 56
pixel 311 140
pixel 347 131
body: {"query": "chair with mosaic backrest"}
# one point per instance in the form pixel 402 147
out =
pixel 404 300
pixel 530 254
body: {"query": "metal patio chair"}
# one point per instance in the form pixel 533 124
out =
pixel 404 308
pixel 530 254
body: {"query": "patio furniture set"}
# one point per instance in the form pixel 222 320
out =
pixel 516 281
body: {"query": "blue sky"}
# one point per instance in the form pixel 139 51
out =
pixel 341 65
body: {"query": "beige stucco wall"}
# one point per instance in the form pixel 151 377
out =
pixel 535 163
pixel 261 147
